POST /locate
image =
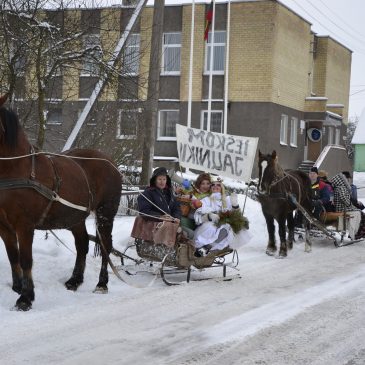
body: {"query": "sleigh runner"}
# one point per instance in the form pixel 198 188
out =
pixel 159 249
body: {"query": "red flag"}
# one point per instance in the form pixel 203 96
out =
pixel 208 20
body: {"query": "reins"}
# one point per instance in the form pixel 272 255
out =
pixel 55 197
pixel 278 179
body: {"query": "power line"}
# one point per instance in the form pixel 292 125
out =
pixel 340 18
pixel 357 92
pixel 325 27
pixel 334 23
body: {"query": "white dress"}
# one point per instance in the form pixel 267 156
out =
pixel 208 232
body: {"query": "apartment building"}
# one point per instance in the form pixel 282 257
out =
pixel 285 84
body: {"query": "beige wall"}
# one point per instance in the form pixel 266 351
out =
pixel 291 59
pixel 251 40
pixel 338 75
pixel 320 67
pixel 146 32
pixel 109 37
pixel 70 90
pixel 332 71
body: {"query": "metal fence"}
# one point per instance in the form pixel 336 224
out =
pixel 128 203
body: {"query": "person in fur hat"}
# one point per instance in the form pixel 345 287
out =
pixel 158 199
pixel 208 236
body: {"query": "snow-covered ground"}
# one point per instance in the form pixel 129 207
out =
pixel 305 309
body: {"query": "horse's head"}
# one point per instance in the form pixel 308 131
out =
pixel 267 167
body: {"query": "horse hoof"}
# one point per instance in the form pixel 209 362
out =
pixel 23 304
pixel 281 256
pixel 72 284
pixel 270 252
pixel 101 290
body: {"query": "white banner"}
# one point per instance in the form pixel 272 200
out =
pixel 217 153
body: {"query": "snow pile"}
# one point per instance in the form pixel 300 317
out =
pixel 305 309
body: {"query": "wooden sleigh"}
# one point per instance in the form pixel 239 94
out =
pixel 332 225
pixel 172 258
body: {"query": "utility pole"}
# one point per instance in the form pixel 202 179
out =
pixel 153 92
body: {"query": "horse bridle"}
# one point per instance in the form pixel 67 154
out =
pixel 276 180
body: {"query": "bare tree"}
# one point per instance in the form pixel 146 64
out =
pixel 44 49
pixel 351 127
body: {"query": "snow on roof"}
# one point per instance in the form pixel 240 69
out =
pixel 359 135
pixel 335 115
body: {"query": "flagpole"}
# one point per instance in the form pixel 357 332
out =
pixel 211 69
pixel 226 76
pixel 188 123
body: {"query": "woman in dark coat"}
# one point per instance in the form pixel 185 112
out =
pixel 158 199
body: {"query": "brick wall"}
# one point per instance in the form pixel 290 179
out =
pixel 251 49
pixel 291 59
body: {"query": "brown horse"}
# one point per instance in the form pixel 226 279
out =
pixel 276 190
pixel 44 191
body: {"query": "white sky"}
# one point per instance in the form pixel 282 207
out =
pixel 341 19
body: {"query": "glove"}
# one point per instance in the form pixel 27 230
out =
pixel 204 218
pixel 234 200
pixel 213 217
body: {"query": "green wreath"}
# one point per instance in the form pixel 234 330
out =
pixel 234 218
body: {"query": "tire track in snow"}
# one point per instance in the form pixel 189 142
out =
pixel 277 312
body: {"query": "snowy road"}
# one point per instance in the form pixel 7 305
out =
pixel 306 309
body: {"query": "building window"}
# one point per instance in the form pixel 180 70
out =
pixel 330 135
pixel 216 121
pixel 91 65
pixel 171 54
pixel 131 55
pixel 166 130
pixel 337 136
pixel 219 48
pixel 54 117
pixel 294 132
pixel 284 129
pixel 127 123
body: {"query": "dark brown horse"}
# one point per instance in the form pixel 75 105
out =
pixel 276 190
pixel 44 191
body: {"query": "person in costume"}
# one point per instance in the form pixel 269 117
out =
pixel 211 236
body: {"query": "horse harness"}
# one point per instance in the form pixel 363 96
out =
pixel 50 194
pixel 284 195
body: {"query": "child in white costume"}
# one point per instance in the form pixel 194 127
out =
pixel 208 236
